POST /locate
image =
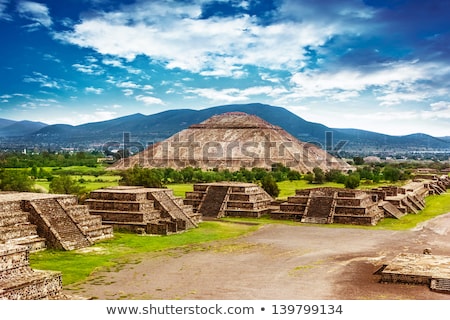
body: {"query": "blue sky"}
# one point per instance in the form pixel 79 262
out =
pixel 382 66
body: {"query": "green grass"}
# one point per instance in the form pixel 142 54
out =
pixel 90 182
pixel 287 188
pixel 180 189
pixel 77 265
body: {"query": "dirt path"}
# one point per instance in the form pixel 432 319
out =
pixel 276 262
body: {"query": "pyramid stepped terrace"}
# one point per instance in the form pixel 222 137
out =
pixel 232 141
pixel 144 210
pixel 229 199
pixel 37 221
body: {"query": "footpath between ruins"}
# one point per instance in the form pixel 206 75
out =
pixel 276 262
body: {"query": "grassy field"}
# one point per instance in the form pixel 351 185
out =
pixel 90 182
pixel 180 189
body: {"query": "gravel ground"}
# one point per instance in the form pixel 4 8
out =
pixel 277 262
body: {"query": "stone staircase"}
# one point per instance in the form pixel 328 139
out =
pixel 390 210
pixel 174 207
pixel 15 227
pixel 19 282
pixel 61 230
pixel 90 225
pixel 230 199
pixel 213 201
pixel 320 210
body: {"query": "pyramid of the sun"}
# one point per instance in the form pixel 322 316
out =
pixel 232 141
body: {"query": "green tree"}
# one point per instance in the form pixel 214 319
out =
pixel 319 175
pixel 15 180
pixel 358 161
pixel 391 173
pixel 269 184
pixel 353 180
pixel 34 172
pixel 65 184
pixel 137 176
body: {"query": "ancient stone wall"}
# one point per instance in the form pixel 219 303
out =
pixel 19 282
pixel 149 210
pixel 235 199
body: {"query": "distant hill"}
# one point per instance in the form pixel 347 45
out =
pixel 148 129
pixel 10 128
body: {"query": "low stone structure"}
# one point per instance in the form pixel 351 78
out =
pixel 19 282
pixel 331 205
pixel 422 269
pixel 38 220
pixel 231 199
pixel 363 207
pixel 146 210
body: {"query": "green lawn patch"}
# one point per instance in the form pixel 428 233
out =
pixel 180 189
pixel 287 188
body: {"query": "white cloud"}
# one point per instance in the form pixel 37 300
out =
pixel 3 7
pixel 93 90
pixel 215 47
pixel 128 92
pixel 92 69
pixel 129 87
pixel 36 12
pixel 440 106
pixel 233 95
pixel 391 83
pixel 149 100
pixel 118 64
pixel 44 80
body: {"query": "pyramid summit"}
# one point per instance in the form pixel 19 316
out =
pixel 232 141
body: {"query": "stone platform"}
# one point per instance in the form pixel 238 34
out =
pixel 422 269
pixel 230 199
pixel 330 205
pixel 145 210
pixel 19 282
pixel 39 220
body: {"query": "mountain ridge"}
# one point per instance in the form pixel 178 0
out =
pixel 149 129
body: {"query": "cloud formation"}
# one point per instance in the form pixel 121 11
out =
pixel 36 12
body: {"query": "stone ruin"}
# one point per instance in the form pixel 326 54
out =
pixel 330 205
pixel 19 282
pixel 418 269
pixel 361 207
pixel 37 221
pixel 232 141
pixel 144 210
pixel 229 199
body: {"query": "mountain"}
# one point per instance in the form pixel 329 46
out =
pixel 10 128
pixel 148 129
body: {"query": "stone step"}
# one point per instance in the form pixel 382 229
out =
pixel 34 286
pixel 12 218
pixel 120 216
pixel 32 243
pixel 100 232
pixel 19 231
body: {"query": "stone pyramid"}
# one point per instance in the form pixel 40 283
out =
pixel 232 141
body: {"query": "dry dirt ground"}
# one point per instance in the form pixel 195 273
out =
pixel 276 262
